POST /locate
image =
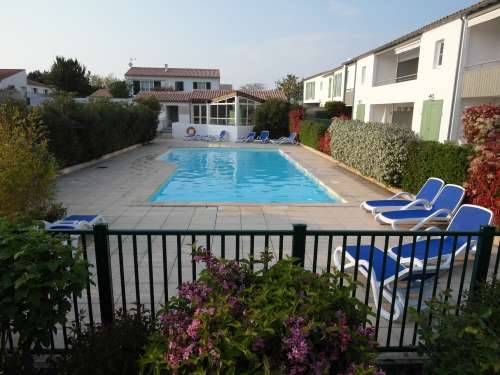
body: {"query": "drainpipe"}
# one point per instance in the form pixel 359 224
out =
pixel 459 70
pixel 354 89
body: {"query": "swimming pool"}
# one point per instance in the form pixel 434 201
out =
pixel 232 175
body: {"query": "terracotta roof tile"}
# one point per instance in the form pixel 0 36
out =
pixel 4 73
pixel 173 72
pixel 35 83
pixel 188 96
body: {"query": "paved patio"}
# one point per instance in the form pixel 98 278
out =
pixel 150 268
pixel 118 189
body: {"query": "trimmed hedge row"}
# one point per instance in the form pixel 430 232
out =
pixel 444 160
pixel 80 132
pixel 311 131
pixel 376 150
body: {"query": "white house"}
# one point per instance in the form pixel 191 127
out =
pixel 209 112
pixel 16 79
pixel 426 78
pixel 172 79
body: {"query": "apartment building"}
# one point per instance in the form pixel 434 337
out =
pixel 16 80
pixel 172 79
pixel 425 79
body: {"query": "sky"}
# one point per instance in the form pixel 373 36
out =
pixel 248 40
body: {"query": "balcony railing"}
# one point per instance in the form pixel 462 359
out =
pixel 409 77
pixel 482 80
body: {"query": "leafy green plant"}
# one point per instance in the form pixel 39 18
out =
pixel 79 132
pixel 336 109
pixel 110 349
pixel 38 276
pixel 119 89
pixel 433 159
pixel 149 101
pixel 281 320
pixel 272 115
pixel 312 131
pixel 27 169
pixel 467 342
pixel 376 150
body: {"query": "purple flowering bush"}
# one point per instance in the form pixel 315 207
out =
pixel 284 320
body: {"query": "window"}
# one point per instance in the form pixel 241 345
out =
pixel 337 85
pixel 146 85
pixel 35 90
pixel 199 113
pixel 201 85
pixel 363 75
pixel 310 88
pixel 438 54
pixel 45 91
pixel 222 113
pixel 247 109
pixel 321 86
pixel 157 84
pixel 137 87
pixel 330 87
pixel 179 86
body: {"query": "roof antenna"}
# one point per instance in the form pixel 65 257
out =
pixel 131 61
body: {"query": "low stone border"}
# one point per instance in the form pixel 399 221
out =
pixel 352 170
pixel 77 167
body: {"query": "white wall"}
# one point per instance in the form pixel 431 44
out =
pixel 321 92
pixel 179 130
pixel 17 80
pixel 170 81
pixel 431 82
pixel 351 72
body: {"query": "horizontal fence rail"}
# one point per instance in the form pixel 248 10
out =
pixel 395 272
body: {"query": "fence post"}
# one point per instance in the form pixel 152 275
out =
pixel 104 279
pixel 483 255
pixel 299 242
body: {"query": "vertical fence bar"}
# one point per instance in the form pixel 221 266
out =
pixel 179 260
pixel 89 297
pixel 380 298
pixel 315 254
pixel 394 291
pixel 122 272
pixel 483 255
pixel 136 272
pixel 462 277
pixel 151 281
pixel 299 243
pixel 104 279
pixel 408 290
pixel 223 246
pixel 193 262
pixel 280 248
pixel 165 269
pixel 356 264
pixel 421 291
pixel 252 244
pixel 237 255
pixel 329 256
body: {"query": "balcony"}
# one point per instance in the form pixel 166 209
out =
pixel 397 65
pixel 482 80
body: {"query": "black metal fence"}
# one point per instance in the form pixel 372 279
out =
pixel 394 270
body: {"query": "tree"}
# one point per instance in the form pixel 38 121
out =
pixel 291 86
pixel 253 86
pixel 100 82
pixel 119 89
pixel 38 76
pixel 272 115
pixel 27 169
pixel 71 76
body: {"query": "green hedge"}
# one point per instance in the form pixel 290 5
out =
pixel 375 150
pixel 80 132
pixel 311 131
pixel 444 160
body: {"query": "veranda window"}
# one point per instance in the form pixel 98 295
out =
pixel 222 112
pixel 247 109
pixel 199 113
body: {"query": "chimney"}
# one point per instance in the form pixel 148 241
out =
pixel 166 67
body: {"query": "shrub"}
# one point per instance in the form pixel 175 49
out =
pixel 313 113
pixel 325 142
pixel 272 115
pixel 150 102
pixel 281 320
pixel 466 343
pixel 312 131
pixel 27 169
pixel 336 109
pixel 119 89
pixel 38 277
pixel 79 132
pixel 433 159
pixel 108 350
pixel 480 123
pixel 375 150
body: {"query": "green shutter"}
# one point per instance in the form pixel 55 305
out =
pixel 430 125
pixel 360 112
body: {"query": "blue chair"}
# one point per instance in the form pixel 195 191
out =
pixel 263 137
pixel 75 222
pixel 248 139
pixel 220 138
pixel 436 251
pixel 424 197
pixel 442 209
pixel 290 140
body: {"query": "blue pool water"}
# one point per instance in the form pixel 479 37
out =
pixel 237 175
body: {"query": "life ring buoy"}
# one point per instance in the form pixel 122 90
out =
pixel 191 131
